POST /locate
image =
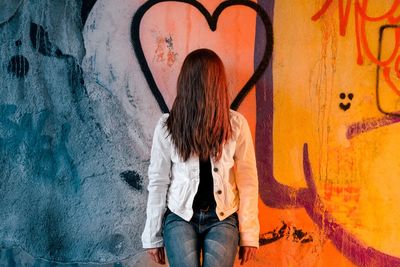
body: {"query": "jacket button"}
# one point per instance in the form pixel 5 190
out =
pixel 221 213
pixel 215 169
pixel 219 192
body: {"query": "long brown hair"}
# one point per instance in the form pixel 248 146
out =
pixel 199 119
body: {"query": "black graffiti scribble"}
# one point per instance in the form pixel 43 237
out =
pixel 300 236
pixel 40 41
pixel 18 66
pixel 212 20
pixel 273 235
pixel 291 233
pixel 133 179
pixel 378 97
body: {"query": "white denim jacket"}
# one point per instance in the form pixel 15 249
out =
pixel 174 182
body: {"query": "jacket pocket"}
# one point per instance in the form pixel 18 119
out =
pixel 178 192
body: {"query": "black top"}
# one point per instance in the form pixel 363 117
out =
pixel 205 194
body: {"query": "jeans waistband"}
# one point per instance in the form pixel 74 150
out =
pixel 204 209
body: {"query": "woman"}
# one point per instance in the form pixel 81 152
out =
pixel 203 185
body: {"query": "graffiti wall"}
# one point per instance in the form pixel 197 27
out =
pixel 84 82
pixel 335 80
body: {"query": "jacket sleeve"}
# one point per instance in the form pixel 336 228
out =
pixel 247 184
pixel 159 180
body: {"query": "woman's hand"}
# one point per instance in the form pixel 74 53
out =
pixel 157 255
pixel 246 254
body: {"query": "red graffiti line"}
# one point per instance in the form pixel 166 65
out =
pixel 361 18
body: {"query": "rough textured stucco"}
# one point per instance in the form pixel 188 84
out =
pixel 73 157
pixel 77 116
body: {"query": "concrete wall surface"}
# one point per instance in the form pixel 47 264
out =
pixel 83 82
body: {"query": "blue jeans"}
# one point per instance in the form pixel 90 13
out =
pixel 217 240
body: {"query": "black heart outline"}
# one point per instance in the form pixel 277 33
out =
pixel 212 23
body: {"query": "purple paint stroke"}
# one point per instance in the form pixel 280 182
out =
pixel 272 193
pixel 348 244
pixel 369 125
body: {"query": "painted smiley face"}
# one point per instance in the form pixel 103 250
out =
pixel 345 105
